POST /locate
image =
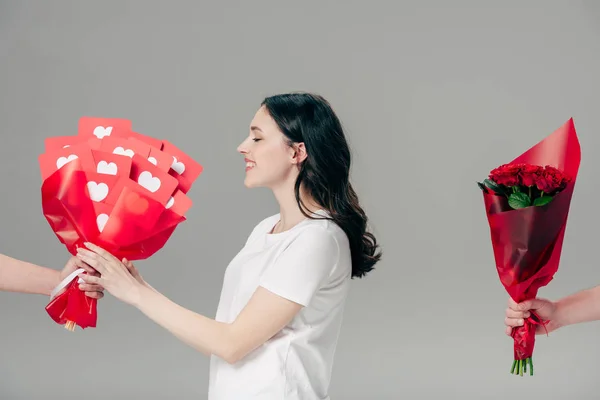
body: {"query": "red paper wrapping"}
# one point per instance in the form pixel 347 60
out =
pixel 116 188
pixel 527 242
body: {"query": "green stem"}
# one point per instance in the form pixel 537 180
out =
pixel 521 367
pixel 530 366
pixel 525 362
pixel 512 370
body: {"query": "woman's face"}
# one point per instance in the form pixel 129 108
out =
pixel 270 161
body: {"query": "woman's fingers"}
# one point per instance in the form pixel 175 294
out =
pixel 92 280
pixel 90 287
pixel 94 295
pixel 131 268
pixel 93 260
pixel 100 251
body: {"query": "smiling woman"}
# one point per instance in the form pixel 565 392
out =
pixel 283 296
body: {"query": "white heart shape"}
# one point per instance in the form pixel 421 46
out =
pixel 121 151
pixel 148 181
pixel 101 131
pixel 178 166
pixel 106 168
pixel 63 160
pixel 98 191
pixel 101 221
pixel 170 202
pixel 152 160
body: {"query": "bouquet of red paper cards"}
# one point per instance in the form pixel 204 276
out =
pixel 527 204
pixel 108 185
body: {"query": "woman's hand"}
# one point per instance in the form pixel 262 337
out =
pixel 121 280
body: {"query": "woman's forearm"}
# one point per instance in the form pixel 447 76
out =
pixel 583 306
pixel 24 277
pixel 203 334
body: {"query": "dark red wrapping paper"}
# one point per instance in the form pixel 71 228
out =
pixel 527 242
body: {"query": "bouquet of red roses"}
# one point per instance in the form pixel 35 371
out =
pixel 527 204
pixel 114 187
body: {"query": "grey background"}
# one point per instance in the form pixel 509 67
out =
pixel 433 96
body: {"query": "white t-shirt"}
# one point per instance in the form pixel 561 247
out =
pixel 309 264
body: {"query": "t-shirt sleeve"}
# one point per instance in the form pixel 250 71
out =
pixel 303 266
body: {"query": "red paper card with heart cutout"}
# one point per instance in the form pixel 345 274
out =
pixel 52 161
pixel 125 147
pixel 111 164
pixel 103 127
pixel 182 166
pixel 146 139
pixel 135 205
pixel 179 203
pixel 61 142
pixel 103 211
pixel 161 159
pixel 159 184
pixel 100 187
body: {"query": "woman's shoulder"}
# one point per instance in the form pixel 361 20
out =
pixel 322 227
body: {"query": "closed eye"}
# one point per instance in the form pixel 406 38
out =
pixel 256 139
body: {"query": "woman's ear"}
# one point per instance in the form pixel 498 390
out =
pixel 299 154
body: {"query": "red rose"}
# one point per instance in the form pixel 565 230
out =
pixel 551 179
pixel 507 174
pixel 529 174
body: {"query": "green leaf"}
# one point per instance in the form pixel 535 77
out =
pixel 482 187
pixel 494 186
pixel 519 200
pixel 542 201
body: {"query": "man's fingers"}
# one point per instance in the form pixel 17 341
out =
pixel 511 303
pixel 80 264
pixel 513 322
pixel 510 313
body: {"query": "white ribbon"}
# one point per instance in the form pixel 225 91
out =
pixel 66 281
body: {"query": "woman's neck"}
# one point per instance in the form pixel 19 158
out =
pixel 289 210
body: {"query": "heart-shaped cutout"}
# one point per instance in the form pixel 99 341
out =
pixel 107 168
pixel 170 203
pixel 136 204
pixel 149 182
pixel 98 191
pixel 152 160
pixel 101 131
pixel 178 166
pixel 101 221
pixel 63 160
pixel 121 151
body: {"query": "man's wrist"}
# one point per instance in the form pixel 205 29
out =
pixel 558 318
pixel 54 281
